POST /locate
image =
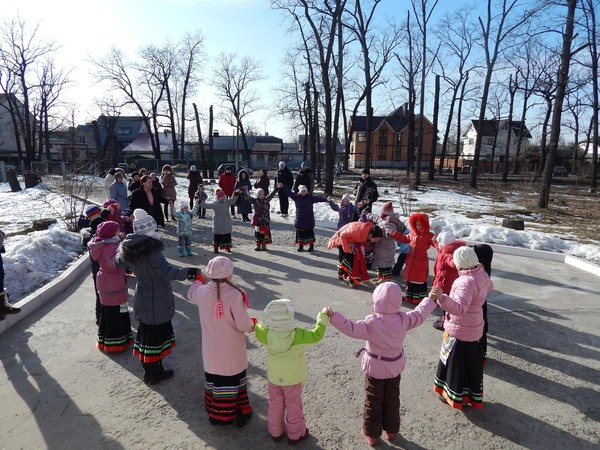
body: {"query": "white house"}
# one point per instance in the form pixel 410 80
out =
pixel 494 131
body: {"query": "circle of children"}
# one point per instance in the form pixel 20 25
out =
pixel 126 238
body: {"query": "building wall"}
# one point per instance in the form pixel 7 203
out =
pixel 487 144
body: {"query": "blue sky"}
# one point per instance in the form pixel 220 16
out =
pixel 246 27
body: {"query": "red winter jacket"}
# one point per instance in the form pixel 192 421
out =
pixel 417 261
pixel 227 183
pixel 444 269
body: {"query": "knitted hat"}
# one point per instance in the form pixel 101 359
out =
pixel 281 164
pixel 219 268
pixel 367 171
pixel 302 188
pixel 143 223
pixel 227 168
pixel 192 168
pixel 304 164
pixel 219 193
pixel 259 191
pixel 387 209
pixel 92 211
pixel 110 202
pixel 183 204
pixel 445 238
pixel 153 174
pixel 346 196
pixel 95 222
pixel 465 258
pixel 279 315
pixel 107 229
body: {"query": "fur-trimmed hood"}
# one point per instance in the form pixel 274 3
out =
pixel 419 217
pixel 139 247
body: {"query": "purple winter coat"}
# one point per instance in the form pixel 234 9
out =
pixel 385 330
pixel 305 216
pixel 111 281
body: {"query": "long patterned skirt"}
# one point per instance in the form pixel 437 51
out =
pixel 415 292
pixel 153 343
pixel 114 329
pixel 305 237
pixel 262 234
pixel 222 241
pixel 460 380
pixel 226 399
pixel 353 267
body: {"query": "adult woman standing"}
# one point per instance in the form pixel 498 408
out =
pixel 195 179
pixel 263 181
pixel 243 185
pixel 168 181
pixel 459 377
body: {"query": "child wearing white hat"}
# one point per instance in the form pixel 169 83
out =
pixel 286 367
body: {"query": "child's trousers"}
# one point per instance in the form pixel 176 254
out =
pixel 285 411
pixel 382 406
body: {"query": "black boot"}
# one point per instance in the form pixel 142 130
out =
pixel 300 248
pixel 5 307
pixel 158 373
pixel 311 247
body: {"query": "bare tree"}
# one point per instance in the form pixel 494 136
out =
pixel 496 29
pixel 589 9
pixel 234 82
pixel 509 127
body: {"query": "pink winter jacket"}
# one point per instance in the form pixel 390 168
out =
pixel 111 281
pixel 464 304
pixel 223 338
pixel 384 331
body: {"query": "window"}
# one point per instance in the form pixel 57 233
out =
pixel 81 140
pixel 362 136
pixel 471 141
pixel 123 131
pixel 381 153
pixel 383 133
pixel 489 140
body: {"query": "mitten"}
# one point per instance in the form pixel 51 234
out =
pixel 200 278
pixel 192 273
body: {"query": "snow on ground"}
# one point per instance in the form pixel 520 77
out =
pixel 33 259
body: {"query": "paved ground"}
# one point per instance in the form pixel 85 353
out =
pixel 541 384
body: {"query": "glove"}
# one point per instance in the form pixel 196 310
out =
pixel 192 273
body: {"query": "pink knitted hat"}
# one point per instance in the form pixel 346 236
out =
pixel 387 209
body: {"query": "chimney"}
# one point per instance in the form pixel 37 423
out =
pixel 216 133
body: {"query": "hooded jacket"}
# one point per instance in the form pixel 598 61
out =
pixel 384 251
pixel 384 330
pixel 111 282
pixel 464 304
pixel 417 260
pixel 286 361
pixel 154 300
pixel 347 213
pixel 354 232
pixel 243 205
pixel 304 177
pixel 444 269
pixel 195 179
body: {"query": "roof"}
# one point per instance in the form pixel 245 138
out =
pixel 490 127
pixel 228 143
pixel 265 148
pixel 397 121
pixel 143 144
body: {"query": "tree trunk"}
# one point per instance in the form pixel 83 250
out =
pixel 561 87
pixel 511 90
pixel 458 120
pixel 436 110
pixel 210 142
pixel 200 141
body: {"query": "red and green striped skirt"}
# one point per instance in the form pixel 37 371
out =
pixel 226 398
pixel 153 342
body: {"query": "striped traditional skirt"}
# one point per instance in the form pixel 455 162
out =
pixel 305 237
pixel 153 342
pixel 262 234
pixel 226 399
pixel 223 241
pixel 415 292
pixel 114 329
pixel 460 379
pixel 353 267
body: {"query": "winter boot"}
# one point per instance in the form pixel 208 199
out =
pixel 300 248
pixel 188 249
pixel 158 373
pixel 263 247
pixel 216 248
pixel 257 249
pixel 180 250
pixel 311 247
pixel 5 307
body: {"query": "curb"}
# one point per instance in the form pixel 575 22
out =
pixel 36 299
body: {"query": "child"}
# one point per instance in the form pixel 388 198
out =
pixel 244 186
pixel 350 241
pixel 305 216
pixel 184 226
pixel 154 304
pixel 221 219
pixel 346 210
pixel 485 254
pixel 417 261
pixel 384 251
pixel 112 212
pixel 383 357
pixel 262 218
pixel 223 309
pixel 459 376
pixel 444 270
pixel 199 197
pixel 127 220
pixel 286 367
pixel 114 329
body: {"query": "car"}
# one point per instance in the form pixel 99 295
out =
pixel 124 166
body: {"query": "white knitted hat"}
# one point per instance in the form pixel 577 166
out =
pixel 183 204
pixel 219 268
pixel 445 238
pixel 302 188
pixel 279 315
pixel 143 223
pixel 465 258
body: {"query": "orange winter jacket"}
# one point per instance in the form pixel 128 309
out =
pixel 355 232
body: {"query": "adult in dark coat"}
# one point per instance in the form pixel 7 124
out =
pixel 305 216
pixel 263 181
pixel 366 192
pixel 149 199
pixel 195 179
pixel 285 177
pixel 243 184
pixel 304 178
pixel 135 182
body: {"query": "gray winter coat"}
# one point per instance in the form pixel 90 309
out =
pixel 221 219
pixel 154 300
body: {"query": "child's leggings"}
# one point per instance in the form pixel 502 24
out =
pixel 285 411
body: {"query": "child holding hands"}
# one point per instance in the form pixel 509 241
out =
pixel 286 367
pixel 383 357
